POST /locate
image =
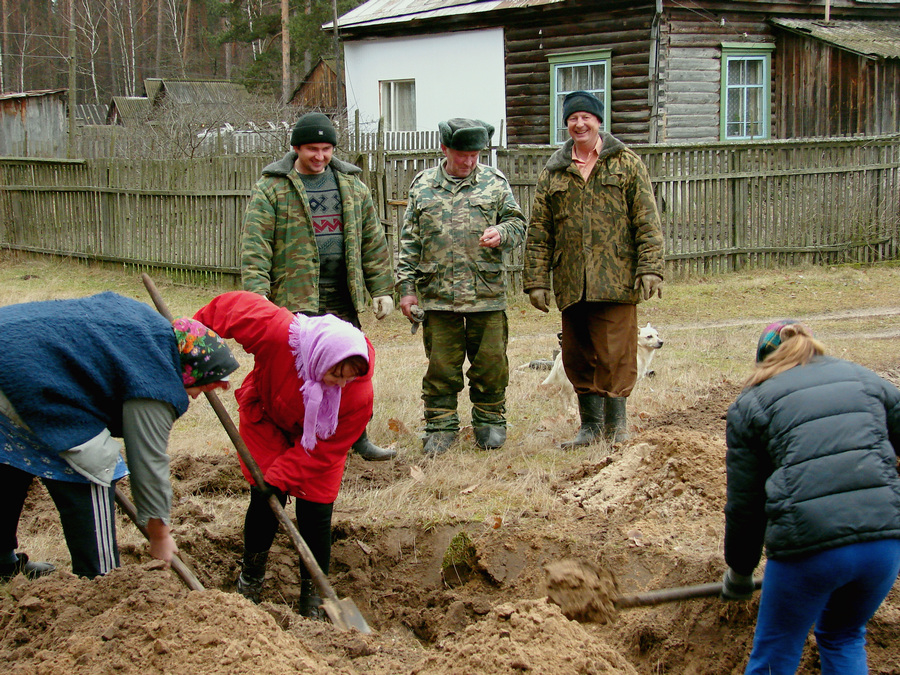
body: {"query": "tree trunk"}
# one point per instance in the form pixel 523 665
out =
pixel 285 52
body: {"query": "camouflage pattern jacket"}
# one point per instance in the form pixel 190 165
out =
pixel 279 257
pixel 440 259
pixel 596 237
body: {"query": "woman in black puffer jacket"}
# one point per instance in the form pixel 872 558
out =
pixel 812 474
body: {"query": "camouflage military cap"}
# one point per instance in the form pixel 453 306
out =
pixel 464 134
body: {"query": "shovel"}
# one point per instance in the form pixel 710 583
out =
pixel 178 565
pixel 585 593
pixel 344 613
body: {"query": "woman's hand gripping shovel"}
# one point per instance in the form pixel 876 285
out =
pixel 343 612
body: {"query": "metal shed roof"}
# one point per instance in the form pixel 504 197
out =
pixel 379 12
pixel 875 39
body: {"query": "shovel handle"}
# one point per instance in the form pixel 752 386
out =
pixel 675 594
pixel 178 565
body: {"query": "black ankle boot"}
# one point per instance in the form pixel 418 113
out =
pixel 592 408
pixel 253 571
pixel 309 604
pixel 23 565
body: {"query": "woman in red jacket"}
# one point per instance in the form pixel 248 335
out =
pixel 307 399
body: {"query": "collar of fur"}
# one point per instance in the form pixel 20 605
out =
pixel 284 165
pixel 561 159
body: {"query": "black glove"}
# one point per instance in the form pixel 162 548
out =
pixel 737 586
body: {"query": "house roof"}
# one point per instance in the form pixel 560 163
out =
pixel 875 39
pixel 195 91
pixel 130 109
pixel 34 93
pixel 380 12
pixel 91 113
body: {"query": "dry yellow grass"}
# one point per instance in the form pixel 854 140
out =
pixel 710 327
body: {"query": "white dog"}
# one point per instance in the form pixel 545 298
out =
pixel 648 341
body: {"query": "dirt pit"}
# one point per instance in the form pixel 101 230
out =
pixel 650 512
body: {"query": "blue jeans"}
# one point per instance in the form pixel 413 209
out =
pixel 838 590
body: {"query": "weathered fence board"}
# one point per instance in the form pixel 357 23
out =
pixel 723 206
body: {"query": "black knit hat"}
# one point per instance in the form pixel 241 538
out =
pixel 313 128
pixel 464 134
pixel 582 101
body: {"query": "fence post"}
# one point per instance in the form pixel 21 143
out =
pixel 738 210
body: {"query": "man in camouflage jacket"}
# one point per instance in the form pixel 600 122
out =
pixel 595 228
pixel 461 223
pixel 317 254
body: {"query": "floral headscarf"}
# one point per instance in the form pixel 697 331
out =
pixel 205 357
pixel 319 343
pixel 770 339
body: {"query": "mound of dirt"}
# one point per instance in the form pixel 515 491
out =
pixel 140 619
pixel 649 513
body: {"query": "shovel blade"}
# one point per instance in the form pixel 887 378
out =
pixel 345 614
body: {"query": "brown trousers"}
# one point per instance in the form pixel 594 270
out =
pixel 599 347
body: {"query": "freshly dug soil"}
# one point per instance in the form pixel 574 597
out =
pixel 650 513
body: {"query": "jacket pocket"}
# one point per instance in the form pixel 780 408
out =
pixel 484 214
pixel 489 279
pixel 428 279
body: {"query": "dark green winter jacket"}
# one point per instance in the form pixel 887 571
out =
pixel 595 237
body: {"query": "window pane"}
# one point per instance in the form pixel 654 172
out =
pixel 398 105
pixel 754 72
pixel 745 97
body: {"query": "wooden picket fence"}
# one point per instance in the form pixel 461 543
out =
pixel 724 206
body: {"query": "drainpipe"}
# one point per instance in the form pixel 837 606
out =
pixel 653 93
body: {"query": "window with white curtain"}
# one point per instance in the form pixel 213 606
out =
pixel 398 105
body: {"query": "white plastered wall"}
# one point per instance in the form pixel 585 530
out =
pixel 456 74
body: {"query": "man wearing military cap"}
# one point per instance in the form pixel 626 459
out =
pixel 312 241
pixel 462 221
pixel 595 235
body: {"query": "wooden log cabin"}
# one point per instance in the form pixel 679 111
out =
pixel 667 70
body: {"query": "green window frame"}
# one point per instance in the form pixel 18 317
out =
pixel 746 91
pixel 574 71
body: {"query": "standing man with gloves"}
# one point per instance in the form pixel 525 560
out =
pixel 595 227
pixel 461 222
pixel 312 241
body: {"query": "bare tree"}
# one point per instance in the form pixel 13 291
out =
pixel 88 20
pixel 123 18
pixel 178 28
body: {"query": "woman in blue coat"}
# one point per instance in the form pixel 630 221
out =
pixel 812 475
pixel 75 375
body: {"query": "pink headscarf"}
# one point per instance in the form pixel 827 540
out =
pixel 319 343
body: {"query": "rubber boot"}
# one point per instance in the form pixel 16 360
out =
pixel 438 442
pixel 592 408
pixel 23 565
pixel 490 437
pixel 488 420
pixel 441 424
pixel 371 452
pixel 616 420
pixel 309 604
pixel 253 571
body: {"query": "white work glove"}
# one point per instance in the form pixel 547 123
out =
pixel 540 298
pixel 383 305
pixel 648 284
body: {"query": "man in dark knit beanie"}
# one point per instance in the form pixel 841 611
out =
pixel 312 240
pixel 595 189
